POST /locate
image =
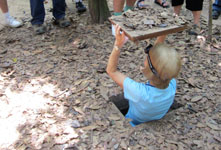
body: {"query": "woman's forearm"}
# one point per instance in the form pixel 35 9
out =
pixel 115 75
pixel 113 60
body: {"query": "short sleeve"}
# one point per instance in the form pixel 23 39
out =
pixel 173 83
pixel 133 91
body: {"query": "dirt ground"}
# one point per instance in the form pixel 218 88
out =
pixel 54 91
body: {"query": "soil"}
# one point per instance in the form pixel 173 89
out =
pixel 54 90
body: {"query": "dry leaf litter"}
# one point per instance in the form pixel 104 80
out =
pixel 55 91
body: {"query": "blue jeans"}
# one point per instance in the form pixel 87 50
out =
pixel 217 5
pixel 38 10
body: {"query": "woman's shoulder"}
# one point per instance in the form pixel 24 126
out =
pixel 173 82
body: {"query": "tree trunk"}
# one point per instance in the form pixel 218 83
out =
pixel 99 10
pixel 210 21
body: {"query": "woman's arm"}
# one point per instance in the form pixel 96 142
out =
pixel 111 69
pixel 160 39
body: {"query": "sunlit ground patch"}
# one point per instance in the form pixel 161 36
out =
pixel 30 106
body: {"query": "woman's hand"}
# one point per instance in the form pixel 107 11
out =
pixel 121 38
pixel 160 39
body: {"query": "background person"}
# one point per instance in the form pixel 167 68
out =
pixel 38 14
pixel 196 7
pixel 118 6
pixel 216 9
pixel 9 20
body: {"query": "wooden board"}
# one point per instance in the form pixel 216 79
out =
pixel 148 23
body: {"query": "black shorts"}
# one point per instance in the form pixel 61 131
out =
pixel 193 5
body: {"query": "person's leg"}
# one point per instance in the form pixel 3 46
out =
pixel 38 16
pixel 129 4
pixel 217 5
pixel 4 6
pixel 177 5
pixel 118 7
pixel 9 20
pixel 196 17
pixel 58 9
pixel 59 13
pixel 177 9
pixel 37 12
pixel 196 7
pixel 216 9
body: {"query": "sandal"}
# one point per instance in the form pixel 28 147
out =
pixel 195 30
pixel 215 14
pixel 63 22
pixel 39 29
pixel 140 4
pixel 162 3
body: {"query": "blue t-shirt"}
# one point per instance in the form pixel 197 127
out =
pixel 147 102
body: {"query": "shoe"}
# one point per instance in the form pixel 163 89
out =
pixel 11 22
pixel 63 22
pixel 80 7
pixel 140 4
pixel 162 4
pixel 215 14
pixel 195 30
pixel 39 29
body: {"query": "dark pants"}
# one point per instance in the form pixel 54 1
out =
pixel 38 10
pixel 217 5
pixel 193 5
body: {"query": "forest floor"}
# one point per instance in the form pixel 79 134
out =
pixel 54 91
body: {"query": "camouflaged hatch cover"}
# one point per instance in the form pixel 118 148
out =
pixel 149 23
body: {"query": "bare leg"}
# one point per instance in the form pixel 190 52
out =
pixel 177 9
pixel 9 21
pixel 196 16
pixel 195 30
pixel 118 5
pixel 4 6
pixel 131 2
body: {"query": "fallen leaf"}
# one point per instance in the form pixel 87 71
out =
pixel 114 117
pixel 213 126
pixel 90 127
pixel 196 99
pixel 14 60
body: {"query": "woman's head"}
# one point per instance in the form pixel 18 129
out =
pixel 164 60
